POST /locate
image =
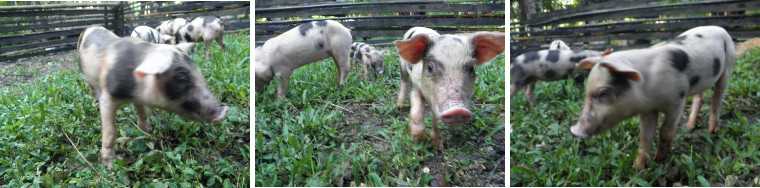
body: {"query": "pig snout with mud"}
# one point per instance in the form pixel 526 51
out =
pixel 168 27
pixel 658 79
pixel 127 70
pixel 305 44
pixel 368 56
pixel 151 35
pixel 442 71
pixel 206 29
pixel 546 65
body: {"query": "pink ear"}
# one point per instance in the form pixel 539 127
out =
pixel 412 50
pixel 624 70
pixel 487 46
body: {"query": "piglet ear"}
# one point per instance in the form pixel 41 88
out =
pixel 156 62
pixel 607 52
pixel 588 63
pixel 487 45
pixel 624 69
pixel 412 50
pixel 186 47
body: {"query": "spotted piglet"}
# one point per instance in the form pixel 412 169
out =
pixel 206 29
pixel 151 35
pixel 305 44
pixel 368 56
pixel 442 71
pixel 128 70
pixel 645 82
pixel 558 45
pixel 169 27
pixel 546 65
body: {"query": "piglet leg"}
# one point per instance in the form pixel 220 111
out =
pixel 220 41
pixel 107 111
pixel 529 94
pixel 142 118
pixel 435 134
pixel 668 131
pixel 696 104
pixel 403 88
pixel 283 85
pixel 417 116
pixel 648 123
pixel 208 49
pixel 718 91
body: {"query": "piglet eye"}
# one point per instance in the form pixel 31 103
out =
pixel 603 93
pixel 430 68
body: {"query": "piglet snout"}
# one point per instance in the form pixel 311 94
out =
pixel 577 131
pixel 456 115
pixel 220 114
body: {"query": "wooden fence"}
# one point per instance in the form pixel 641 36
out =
pixel 379 22
pixel 627 24
pixel 32 30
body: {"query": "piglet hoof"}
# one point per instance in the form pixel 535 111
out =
pixel 400 105
pixel 107 163
pixel 147 128
pixel 660 155
pixel 713 128
pixel 641 162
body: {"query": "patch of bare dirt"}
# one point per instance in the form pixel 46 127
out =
pixel 26 69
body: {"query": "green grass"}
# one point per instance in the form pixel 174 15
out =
pixel 544 153
pixel 37 120
pixel 306 140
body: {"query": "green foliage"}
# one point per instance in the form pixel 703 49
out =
pixel 51 133
pixel 544 153
pixel 325 134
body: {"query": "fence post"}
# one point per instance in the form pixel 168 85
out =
pixel 118 19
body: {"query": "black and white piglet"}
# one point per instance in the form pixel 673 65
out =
pixel 128 70
pixel 546 65
pixel 206 29
pixel 368 56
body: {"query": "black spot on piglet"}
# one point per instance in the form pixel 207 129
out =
pixel 303 28
pixel 179 84
pixel 693 81
pixel 321 23
pixel 716 66
pixel 190 28
pixel 190 106
pixel 679 59
pixel 530 57
pixel 553 56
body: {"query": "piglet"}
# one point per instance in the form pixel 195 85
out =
pixel 546 65
pixel 645 82
pixel 128 70
pixel 169 27
pixel 151 35
pixel 305 44
pixel 368 56
pixel 442 71
pixel 206 29
pixel 558 45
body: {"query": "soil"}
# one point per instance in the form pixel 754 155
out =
pixel 26 69
pixel 488 171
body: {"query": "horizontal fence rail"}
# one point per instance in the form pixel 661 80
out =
pixel 380 22
pixel 32 30
pixel 628 24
